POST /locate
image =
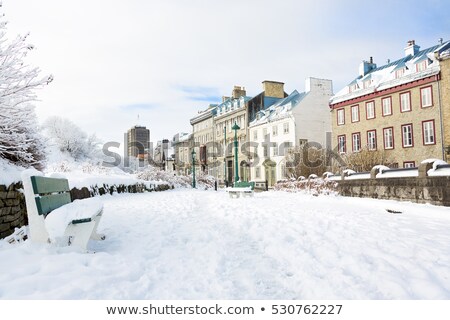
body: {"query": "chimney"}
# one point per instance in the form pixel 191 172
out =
pixel 365 67
pixel 224 98
pixel 273 89
pixel 411 48
pixel 238 92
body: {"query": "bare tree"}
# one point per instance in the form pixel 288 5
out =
pixel 365 159
pixel 306 160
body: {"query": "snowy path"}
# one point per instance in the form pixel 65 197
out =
pixel 186 244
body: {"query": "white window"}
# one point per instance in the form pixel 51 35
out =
pixel 407 135
pixel 399 73
pixel 341 144
pixel 387 106
pixel 428 132
pixel 258 172
pixel 265 150
pixel 421 66
pixel 340 117
pixel 409 164
pixel 255 135
pixel 275 150
pixel 372 140
pixel 426 97
pixel 370 110
pixel 286 127
pixel 367 83
pixel 355 113
pixel 275 130
pixel 356 139
pixel 405 102
pixel 388 135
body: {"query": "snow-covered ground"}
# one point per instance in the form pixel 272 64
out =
pixel 192 244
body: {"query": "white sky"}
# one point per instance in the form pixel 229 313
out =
pixel 165 60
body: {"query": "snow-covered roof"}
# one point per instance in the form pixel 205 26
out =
pixel 231 104
pixel 384 77
pixel 279 110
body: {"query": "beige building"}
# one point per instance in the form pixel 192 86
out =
pixel 401 108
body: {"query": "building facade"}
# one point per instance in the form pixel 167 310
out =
pixel 401 109
pixel 137 142
pixel 290 122
pixel 182 145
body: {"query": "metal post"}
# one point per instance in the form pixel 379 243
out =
pixel 236 161
pixel 193 168
pixel 225 154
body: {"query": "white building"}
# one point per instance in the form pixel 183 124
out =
pixel 295 120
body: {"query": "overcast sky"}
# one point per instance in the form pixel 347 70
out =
pixel 165 60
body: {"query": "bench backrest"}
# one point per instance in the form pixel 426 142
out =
pixel 50 193
pixel 244 184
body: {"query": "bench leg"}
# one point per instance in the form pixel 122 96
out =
pixel 79 234
pixel 95 235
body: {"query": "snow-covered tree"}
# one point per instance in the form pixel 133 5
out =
pixel 20 141
pixel 68 137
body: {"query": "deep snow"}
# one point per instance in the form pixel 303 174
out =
pixel 192 244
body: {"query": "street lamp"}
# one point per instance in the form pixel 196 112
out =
pixel 225 155
pixel 193 168
pixel 236 167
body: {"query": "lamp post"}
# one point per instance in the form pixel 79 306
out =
pixel 193 168
pixel 225 155
pixel 236 168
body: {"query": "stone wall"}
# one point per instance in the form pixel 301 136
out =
pixel 12 209
pixel 13 213
pixel 434 190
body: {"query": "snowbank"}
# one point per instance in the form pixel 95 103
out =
pixel 9 173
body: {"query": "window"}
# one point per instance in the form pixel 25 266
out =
pixel 388 137
pixel 356 142
pixel 428 132
pixel 387 106
pixel 340 117
pixel 367 83
pixel 421 65
pixel 405 102
pixel 258 172
pixel 275 130
pixel 372 140
pixel 286 127
pixel 407 136
pixel 426 97
pixel 255 135
pixel 355 113
pixel 342 148
pixel 409 164
pixel 266 150
pixel 275 150
pixel 399 73
pixel 370 110
pixel 302 142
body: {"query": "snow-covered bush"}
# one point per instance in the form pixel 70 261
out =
pixel 69 138
pixel 314 186
pixel 203 181
pixel 20 141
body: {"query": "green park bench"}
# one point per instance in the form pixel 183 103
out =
pixel 45 197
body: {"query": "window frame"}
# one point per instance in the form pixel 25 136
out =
pixel 356 134
pixel 392 138
pixel 338 112
pixel 344 146
pixel 372 102
pixel 434 132
pixel 409 101
pixel 431 97
pixel 356 106
pixel 403 135
pixel 390 106
pixel 409 164
pixel 375 140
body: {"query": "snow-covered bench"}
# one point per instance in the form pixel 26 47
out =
pixel 54 218
pixel 241 188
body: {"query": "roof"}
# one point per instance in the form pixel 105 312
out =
pixel 383 77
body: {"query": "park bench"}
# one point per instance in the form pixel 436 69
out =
pixel 241 188
pixel 54 218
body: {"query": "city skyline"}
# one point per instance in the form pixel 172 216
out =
pixel 166 61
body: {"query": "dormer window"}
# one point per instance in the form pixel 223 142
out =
pixel 421 65
pixel 399 73
pixel 353 87
pixel 367 83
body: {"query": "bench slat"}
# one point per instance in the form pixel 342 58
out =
pixel 46 204
pixel 48 185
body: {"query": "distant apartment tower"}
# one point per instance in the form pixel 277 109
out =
pixel 137 142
